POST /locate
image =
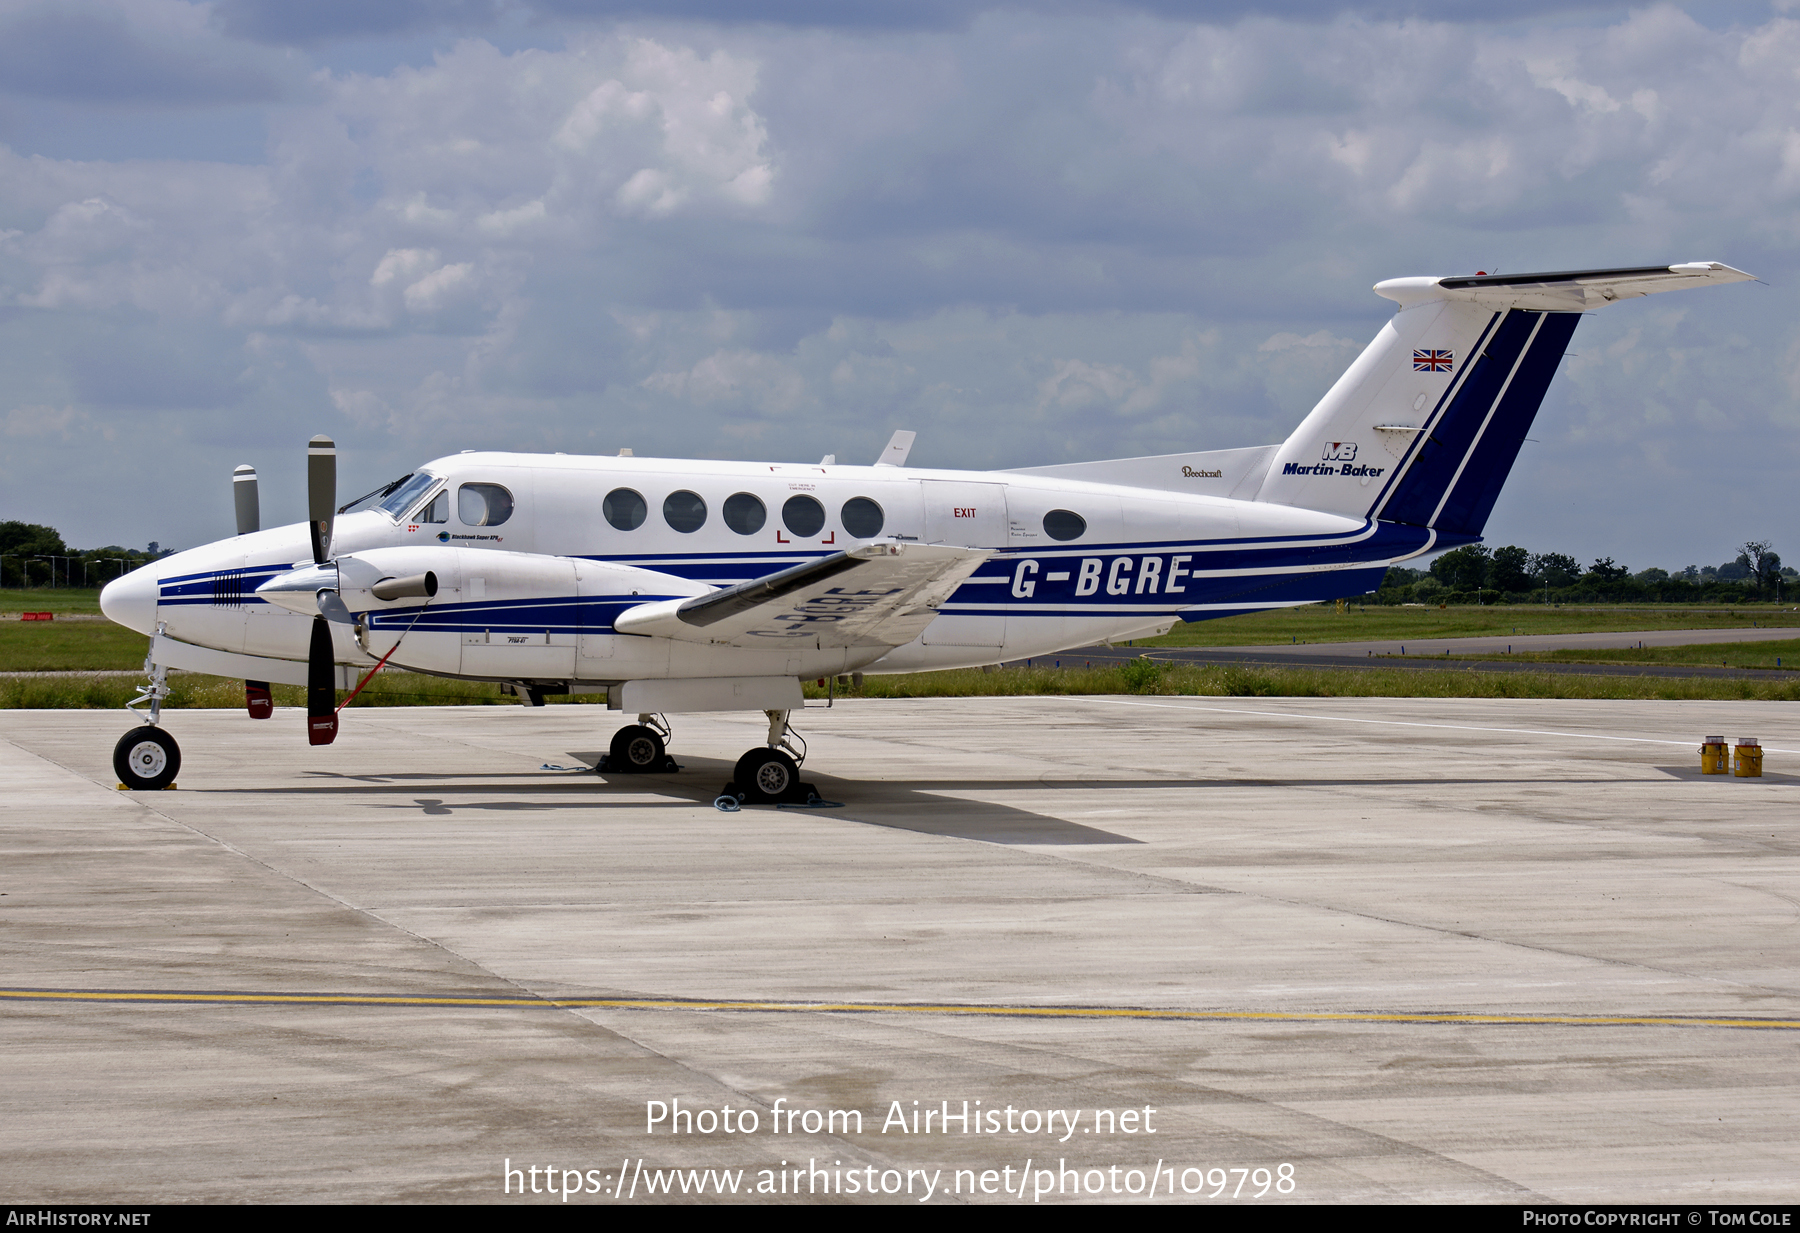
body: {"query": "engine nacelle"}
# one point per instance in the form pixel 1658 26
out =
pixel 498 615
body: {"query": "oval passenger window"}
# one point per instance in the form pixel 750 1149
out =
pixel 624 509
pixel 745 513
pixel 804 516
pixel 684 511
pixel 862 518
pixel 1063 524
pixel 483 505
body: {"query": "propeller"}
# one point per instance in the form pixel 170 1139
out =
pixel 243 494
pixel 257 698
pixel 321 504
pixel 321 494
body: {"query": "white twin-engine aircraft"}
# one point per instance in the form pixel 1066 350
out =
pixel 676 585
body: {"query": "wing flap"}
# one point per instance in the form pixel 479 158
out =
pixel 877 596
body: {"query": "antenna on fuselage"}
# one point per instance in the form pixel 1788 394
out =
pixel 898 447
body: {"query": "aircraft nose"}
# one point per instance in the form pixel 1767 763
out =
pixel 131 601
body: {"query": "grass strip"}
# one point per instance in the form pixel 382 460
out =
pixel 1781 655
pixel 1323 623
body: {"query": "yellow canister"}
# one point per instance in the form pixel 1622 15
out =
pixel 1746 762
pixel 1713 756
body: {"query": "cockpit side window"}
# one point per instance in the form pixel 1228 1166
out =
pixel 379 498
pixel 483 505
pixel 399 496
pixel 437 511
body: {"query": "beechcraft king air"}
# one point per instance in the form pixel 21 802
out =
pixel 707 586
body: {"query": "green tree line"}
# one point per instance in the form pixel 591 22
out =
pixel 1512 575
pixel 35 556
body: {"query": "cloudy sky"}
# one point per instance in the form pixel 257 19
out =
pixel 1033 232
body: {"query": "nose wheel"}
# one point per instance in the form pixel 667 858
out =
pixel 146 759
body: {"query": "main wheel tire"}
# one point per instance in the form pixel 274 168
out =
pixel 146 759
pixel 766 775
pixel 635 750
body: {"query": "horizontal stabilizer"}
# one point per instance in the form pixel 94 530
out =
pixel 1560 290
pixel 879 595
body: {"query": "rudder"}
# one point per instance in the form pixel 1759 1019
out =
pixel 1457 465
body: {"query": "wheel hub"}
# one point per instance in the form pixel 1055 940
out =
pixel 148 759
pixel 772 778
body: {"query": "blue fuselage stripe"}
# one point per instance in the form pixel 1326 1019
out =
pixel 1148 578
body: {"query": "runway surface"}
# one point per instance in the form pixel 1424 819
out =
pixel 1413 949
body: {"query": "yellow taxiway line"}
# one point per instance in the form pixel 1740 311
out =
pixel 235 998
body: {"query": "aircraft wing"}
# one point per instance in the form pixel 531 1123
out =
pixel 879 595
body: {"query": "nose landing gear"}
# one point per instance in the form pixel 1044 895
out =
pixel 147 759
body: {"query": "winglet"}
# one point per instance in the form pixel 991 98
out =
pixel 898 447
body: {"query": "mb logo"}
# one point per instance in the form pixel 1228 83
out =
pixel 1339 451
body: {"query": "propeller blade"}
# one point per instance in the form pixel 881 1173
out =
pixel 243 494
pixel 321 493
pixel 332 608
pixel 321 693
pixel 257 699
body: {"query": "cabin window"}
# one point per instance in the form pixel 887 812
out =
pixel 1063 524
pixel 624 509
pixel 804 516
pixel 483 505
pixel 684 511
pixel 437 511
pixel 863 518
pixel 745 513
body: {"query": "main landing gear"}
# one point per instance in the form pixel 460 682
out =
pixel 147 759
pixel 639 749
pixel 770 774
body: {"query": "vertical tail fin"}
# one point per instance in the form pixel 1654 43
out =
pixel 1425 426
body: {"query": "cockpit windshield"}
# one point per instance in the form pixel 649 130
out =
pixel 396 498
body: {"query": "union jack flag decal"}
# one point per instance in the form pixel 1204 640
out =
pixel 1432 361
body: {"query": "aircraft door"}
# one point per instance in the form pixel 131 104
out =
pixel 966 514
